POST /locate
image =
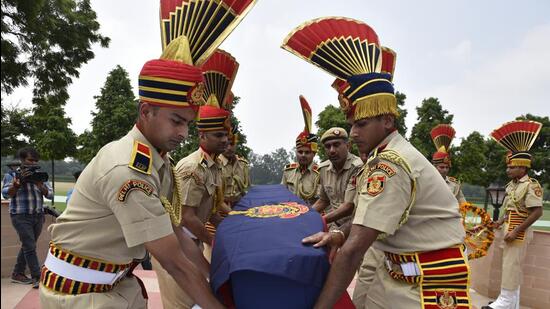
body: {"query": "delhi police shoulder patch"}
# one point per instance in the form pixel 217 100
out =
pixel 141 159
pixel 385 168
pixel 375 184
pixel 291 166
pixel 131 185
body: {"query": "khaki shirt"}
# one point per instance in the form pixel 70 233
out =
pixel 455 187
pixel 106 220
pixel 236 179
pixel 522 194
pixel 303 183
pixel 385 191
pixel 201 179
pixel 335 187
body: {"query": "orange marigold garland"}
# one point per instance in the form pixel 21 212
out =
pixel 479 230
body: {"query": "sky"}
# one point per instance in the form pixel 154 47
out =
pixel 486 61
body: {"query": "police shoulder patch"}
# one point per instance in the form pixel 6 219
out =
pixel 141 159
pixel 383 167
pixel 535 185
pixel 315 168
pixel 375 184
pixel 131 185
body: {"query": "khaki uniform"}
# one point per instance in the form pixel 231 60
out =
pixel 403 196
pixel 303 183
pixel 114 210
pixel 455 187
pixel 521 195
pixel 236 178
pixel 201 180
pixel 335 187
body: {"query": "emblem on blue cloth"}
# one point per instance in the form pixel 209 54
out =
pixel 282 210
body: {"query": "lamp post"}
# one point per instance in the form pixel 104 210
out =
pixel 496 193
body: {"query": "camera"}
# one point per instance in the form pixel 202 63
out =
pixel 31 173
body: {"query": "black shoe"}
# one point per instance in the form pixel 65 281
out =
pixel 487 307
pixel 35 283
pixel 20 278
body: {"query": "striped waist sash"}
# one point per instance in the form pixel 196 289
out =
pixel 514 220
pixel 68 273
pixel 443 275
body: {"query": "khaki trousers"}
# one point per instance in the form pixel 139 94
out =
pixel 127 294
pixel 512 258
pixel 170 292
pixel 367 288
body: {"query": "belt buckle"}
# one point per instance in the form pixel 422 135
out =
pixel 121 274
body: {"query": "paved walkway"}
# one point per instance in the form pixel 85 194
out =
pixel 24 297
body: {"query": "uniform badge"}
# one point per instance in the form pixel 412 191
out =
pixel 140 159
pixel 385 168
pixel 538 192
pixel 446 299
pixel 131 185
pixel 375 184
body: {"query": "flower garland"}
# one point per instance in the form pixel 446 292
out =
pixel 480 236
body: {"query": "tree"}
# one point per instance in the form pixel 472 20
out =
pixel 51 134
pixel 495 168
pixel 540 149
pixel 268 168
pixel 15 129
pixel 471 161
pixel 116 113
pixel 48 41
pixel 400 121
pixel 191 144
pixel 430 114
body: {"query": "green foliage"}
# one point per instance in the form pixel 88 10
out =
pixel 495 168
pixel 191 143
pixel 48 41
pixel 51 134
pixel 430 114
pixel 541 149
pixel 268 168
pixel 400 121
pixel 15 129
pixel 116 114
pixel 470 159
pixel 63 169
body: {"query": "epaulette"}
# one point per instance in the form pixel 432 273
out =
pixel 242 160
pixel 203 162
pixel 323 164
pixel 141 159
pixel 292 166
pixel 452 179
pixel 533 180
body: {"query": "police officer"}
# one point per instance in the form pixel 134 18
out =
pixel 117 210
pixel 235 171
pixel 442 136
pixel 199 179
pixel 523 205
pixel 336 193
pixel 302 177
pixel 403 206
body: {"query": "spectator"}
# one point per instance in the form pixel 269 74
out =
pixel 70 192
pixel 26 208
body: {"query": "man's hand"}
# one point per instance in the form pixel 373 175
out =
pixel 333 240
pixel 511 236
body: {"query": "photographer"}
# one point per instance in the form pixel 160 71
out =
pixel 26 189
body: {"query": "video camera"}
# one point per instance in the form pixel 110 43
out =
pixel 31 173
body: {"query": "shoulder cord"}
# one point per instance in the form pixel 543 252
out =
pixel 174 208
